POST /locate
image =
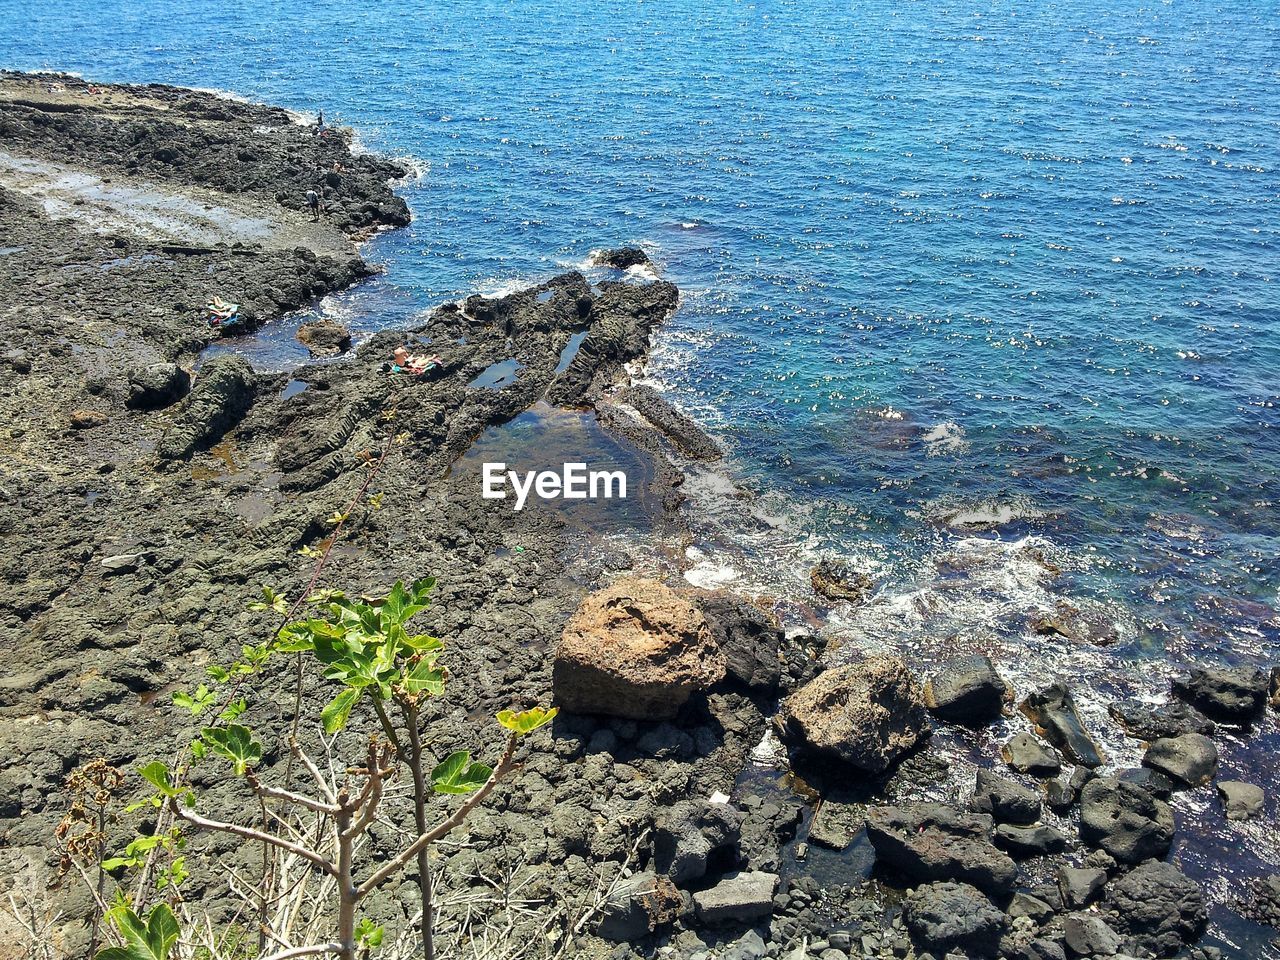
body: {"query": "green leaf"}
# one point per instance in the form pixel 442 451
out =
pixel 423 677
pixel 527 721
pixel 196 703
pixel 156 773
pixel 233 710
pixel 334 716
pixel 236 743
pixel 459 774
pixel 152 939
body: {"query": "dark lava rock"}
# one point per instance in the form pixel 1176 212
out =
pixel 738 898
pixel 1004 800
pixel 835 581
pixel 1026 754
pixel 622 258
pixel 1127 821
pixel 1023 842
pixel 1233 695
pixel 1053 710
pixel 748 637
pixel 1241 801
pixel 1263 903
pixel 223 392
pixel 1080 886
pixel 638 905
pixel 867 714
pixel 1153 781
pixel 947 916
pixel 931 841
pixel 157 385
pixel 1275 687
pixel 1155 723
pixel 967 691
pixel 683 432
pixel 1027 905
pixel 325 338
pixel 696 837
pixel 1191 759
pixel 1159 907
pixel 1060 795
pixel 1070 622
pixel 1088 935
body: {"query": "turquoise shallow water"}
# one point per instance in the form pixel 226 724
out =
pixel 1001 260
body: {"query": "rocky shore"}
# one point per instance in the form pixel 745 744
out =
pixel 710 787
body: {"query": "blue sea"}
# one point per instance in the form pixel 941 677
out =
pixel 980 297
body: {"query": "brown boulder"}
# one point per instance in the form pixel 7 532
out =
pixel 867 714
pixel 324 338
pixel 637 650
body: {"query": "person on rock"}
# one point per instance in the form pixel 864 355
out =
pixel 313 202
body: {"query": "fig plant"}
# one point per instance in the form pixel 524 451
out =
pixel 368 650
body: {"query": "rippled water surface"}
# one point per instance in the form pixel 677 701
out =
pixel 980 295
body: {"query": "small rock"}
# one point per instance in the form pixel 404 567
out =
pixel 691 835
pixel 1006 801
pixel 1088 935
pixel 636 906
pixel 1025 905
pixel 1034 841
pixel 1233 695
pixel 621 258
pixel 737 898
pixel 1080 886
pixel 1127 821
pixel 835 581
pixel 967 691
pixel 1053 710
pixel 867 714
pixel 944 916
pixel 122 563
pixel 157 385
pixel 1159 907
pixel 1242 801
pixel 1191 759
pixel 1028 755
pixel 87 419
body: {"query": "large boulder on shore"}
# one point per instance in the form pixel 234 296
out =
pixel 1159 907
pixel 947 916
pixel 967 691
pixel 867 714
pixel 1125 819
pixel 928 842
pixel 637 650
pixel 1233 695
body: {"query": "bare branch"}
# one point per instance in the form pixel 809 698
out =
pixel 392 866
pixel 311 951
pixel 275 793
pixel 250 834
pixel 321 782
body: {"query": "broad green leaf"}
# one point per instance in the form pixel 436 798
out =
pixel 459 774
pixel 334 715
pixel 423 677
pixel 421 643
pixel 156 773
pixel 236 743
pixel 527 721
pixel 152 939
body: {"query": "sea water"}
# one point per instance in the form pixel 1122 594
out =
pixel 980 296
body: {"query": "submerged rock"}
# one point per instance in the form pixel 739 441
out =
pixel 637 650
pixel 157 385
pixel 1191 759
pixel 1241 801
pixel 836 581
pixel 1233 695
pixel 1026 754
pixel 931 841
pixel 621 258
pixel 325 338
pixel 867 714
pixel 1053 710
pixel 1127 821
pixel 1157 722
pixel 1159 907
pixel 948 916
pixel 967 691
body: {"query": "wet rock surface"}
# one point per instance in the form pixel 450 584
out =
pixel 968 691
